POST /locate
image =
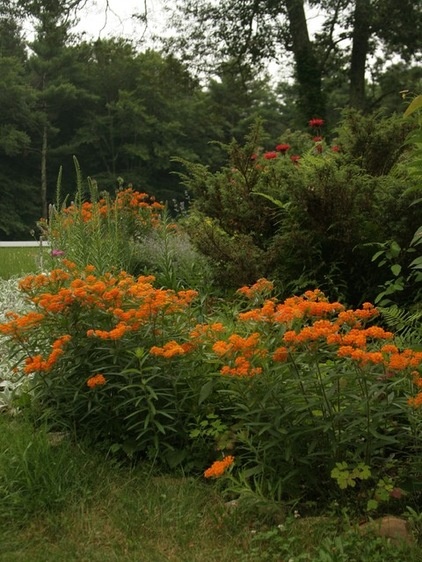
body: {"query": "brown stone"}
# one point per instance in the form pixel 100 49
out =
pixel 389 527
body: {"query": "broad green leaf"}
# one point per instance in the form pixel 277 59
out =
pixel 273 200
pixel 372 505
pixel 416 263
pixel 414 106
pixel 417 238
pixel 205 391
pixel 396 269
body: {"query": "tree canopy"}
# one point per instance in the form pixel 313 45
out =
pixel 254 33
pixel 135 113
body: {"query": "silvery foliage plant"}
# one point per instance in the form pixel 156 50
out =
pixel 11 382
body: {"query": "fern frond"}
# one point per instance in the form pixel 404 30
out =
pixel 407 325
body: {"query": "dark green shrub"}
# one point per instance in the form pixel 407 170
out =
pixel 306 213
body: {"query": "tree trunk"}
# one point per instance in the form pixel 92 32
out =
pixel 44 147
pixel 308 71
pixel 360 47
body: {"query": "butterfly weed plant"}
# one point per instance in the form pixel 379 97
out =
pixel 97 229
pixel 304 399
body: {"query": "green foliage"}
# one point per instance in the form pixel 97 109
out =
pixel 404 265
pixel 127 113
pixel 305 222
pixel 37 474
pixel 406 324
pixel 327 75
pixel 346 477
pixel 406 276
pixel 107 512
pixel 18 203
pixel 104 510
pixel 293 538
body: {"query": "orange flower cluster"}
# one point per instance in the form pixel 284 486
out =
pixel 170 349
pixel 416 401
pixel 119 303
pixel 312 303
pixel 18 325
pixel 96 380
pixel 218 468
pixel 206 332
pixel 261 287
pixel 38 363
pixel 114 334
pixel 242 368
pixel 129 302
pixel 139 206
pixel 129 198
pixel 281 354
pixel 201 335
pixel 237 343
pixel 242 350
pixel 34 282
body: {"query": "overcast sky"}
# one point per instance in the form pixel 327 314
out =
pixel 98 21
pixel 114 19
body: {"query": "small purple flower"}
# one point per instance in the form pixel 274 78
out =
pixel 57 253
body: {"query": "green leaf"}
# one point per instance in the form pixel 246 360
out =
pixel 414 106
pixel 417 238
pixel 394 249
pixel 364 471
pixel 372 505
pixel 205 391
pixel 273 200
pixel 396 269
pixel 174 458
pixel 377 255
pixel 416 263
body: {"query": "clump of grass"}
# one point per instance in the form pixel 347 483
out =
pixel 39 471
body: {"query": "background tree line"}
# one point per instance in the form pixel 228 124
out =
pixel 125 112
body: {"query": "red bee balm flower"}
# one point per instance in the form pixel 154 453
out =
pixel 295 158
pixel 315 122
pixel 283 148
pixel 270 155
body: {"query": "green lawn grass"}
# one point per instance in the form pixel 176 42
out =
pixel 15 262
pixel 63 503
